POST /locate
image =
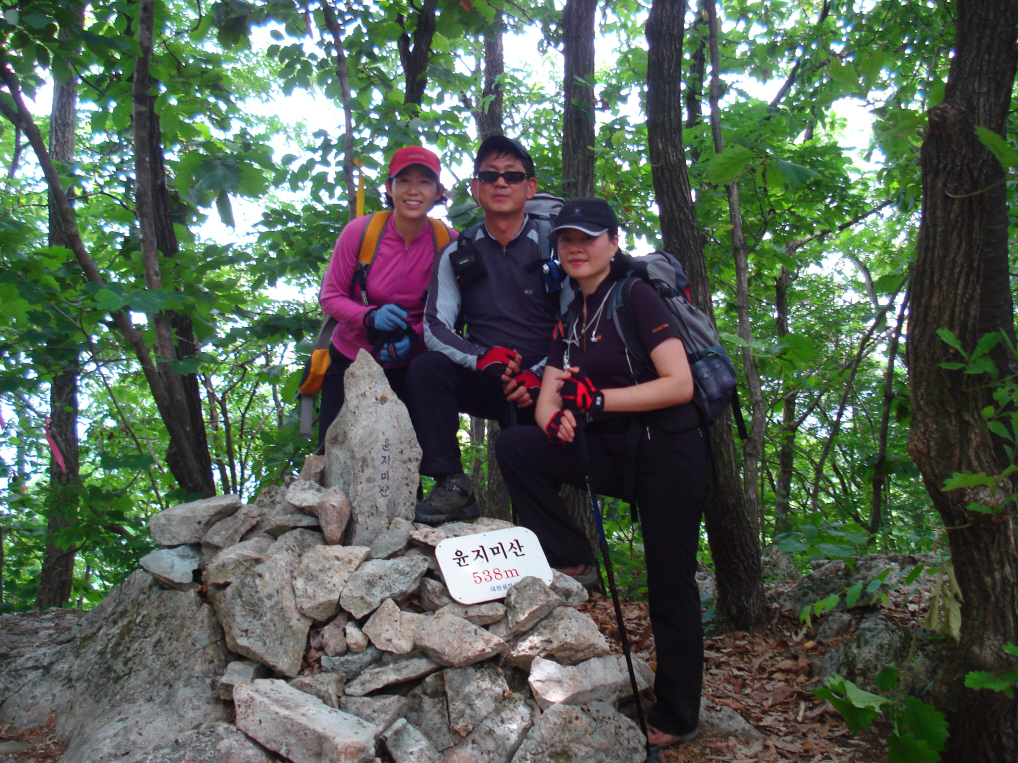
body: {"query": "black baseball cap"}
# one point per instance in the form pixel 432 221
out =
pixel 502 146
pixel 592 216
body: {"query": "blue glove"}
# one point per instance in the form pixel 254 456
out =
pixel 388 318
pixel 393 353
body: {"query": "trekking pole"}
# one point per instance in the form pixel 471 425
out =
pixel 581 443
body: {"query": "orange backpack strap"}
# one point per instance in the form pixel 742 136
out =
pixel 439 234
pixel 366 249
pixel 314 374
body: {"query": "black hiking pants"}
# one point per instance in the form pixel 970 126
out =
pixel 672 473
pixel 438 391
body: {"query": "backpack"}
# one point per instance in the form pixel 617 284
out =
pixel 543 207
pixel 318 362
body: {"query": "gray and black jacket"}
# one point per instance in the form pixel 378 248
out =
pixel 508 307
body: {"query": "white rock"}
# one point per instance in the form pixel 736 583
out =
pixel 499 735
pixel 240 672
pixel 571 591
pixel 478 614
pixel 313 469
pixel 356 641
pixel 380 579
pixel 260 617
pixel 406 744
pixel 393 541
pixel 328 687
pixel 451 640
pixel 528 602
pixel 379 677
pixel 188 522
pixel 333 512
pixel 594 733
pixel 371 452
pixel 300 726
pixel 392 630
pixel 320 577
pixel 566 636
pixel 334 636
pixel 434 595
pixel 303 495
pixel 599 679
pixel 472 695
pixel 381 712
pixel 236 561
pixel 173 567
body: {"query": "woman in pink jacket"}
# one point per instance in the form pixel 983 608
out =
pixel 385 314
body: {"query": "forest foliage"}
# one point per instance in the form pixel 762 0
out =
pixel 829 212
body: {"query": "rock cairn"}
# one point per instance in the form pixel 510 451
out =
pixel 349 646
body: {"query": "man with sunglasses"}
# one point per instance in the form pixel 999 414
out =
pixel 487 282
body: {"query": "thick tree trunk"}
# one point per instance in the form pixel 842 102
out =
pixel 731 530
pixel 960 284
pixel 56 574
pixel 578 115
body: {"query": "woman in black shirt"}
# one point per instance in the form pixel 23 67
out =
pixel 590 373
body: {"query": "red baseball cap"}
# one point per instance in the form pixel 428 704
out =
pixel 414 155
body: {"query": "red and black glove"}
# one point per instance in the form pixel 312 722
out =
pixel 579 393
pixel 554 426
pixel 529 381
pixel 495 361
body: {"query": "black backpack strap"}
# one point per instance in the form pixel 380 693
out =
pixel 625 324
pixel 740 423
pixel 629 466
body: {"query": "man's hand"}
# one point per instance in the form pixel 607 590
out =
pixel 579 393
pixel 522 389
pixel 561 427
pixel 500 363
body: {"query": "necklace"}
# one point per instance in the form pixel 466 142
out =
pixel 576 334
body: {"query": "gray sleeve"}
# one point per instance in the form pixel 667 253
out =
pixel 440 315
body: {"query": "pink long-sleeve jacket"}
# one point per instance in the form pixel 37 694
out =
pixel 398 273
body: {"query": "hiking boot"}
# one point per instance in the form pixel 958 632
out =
pixel 451 499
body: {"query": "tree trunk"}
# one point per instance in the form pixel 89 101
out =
pixel 488 113
pixel 786 453
pixel 187 457
pixel 731 530
pixel 578 114
pixel 343 75
pixel 960 284
pixel 415 59
pixel 56 574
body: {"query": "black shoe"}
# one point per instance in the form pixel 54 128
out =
pixel 450 500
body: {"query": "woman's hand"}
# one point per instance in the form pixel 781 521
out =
pixel 387 317
pixel 561 427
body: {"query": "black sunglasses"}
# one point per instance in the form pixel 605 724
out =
pixel 512 178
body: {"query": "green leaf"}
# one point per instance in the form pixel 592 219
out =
pixel 186 366
pixel 928 724
pixel 968 479
pixel 12 17
pixel 980 679
pixel 853 594
pixel 149 300
pixel 856 706
pixel 109 301
pixel 905 748
pixel 729 164
pixel 845 74
pixel 986 343
pixel 948 337
pixel 871 67
pixel 795 174
pixel 998 147
pixel 887 677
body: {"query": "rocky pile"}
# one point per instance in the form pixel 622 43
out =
pixel 320 613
